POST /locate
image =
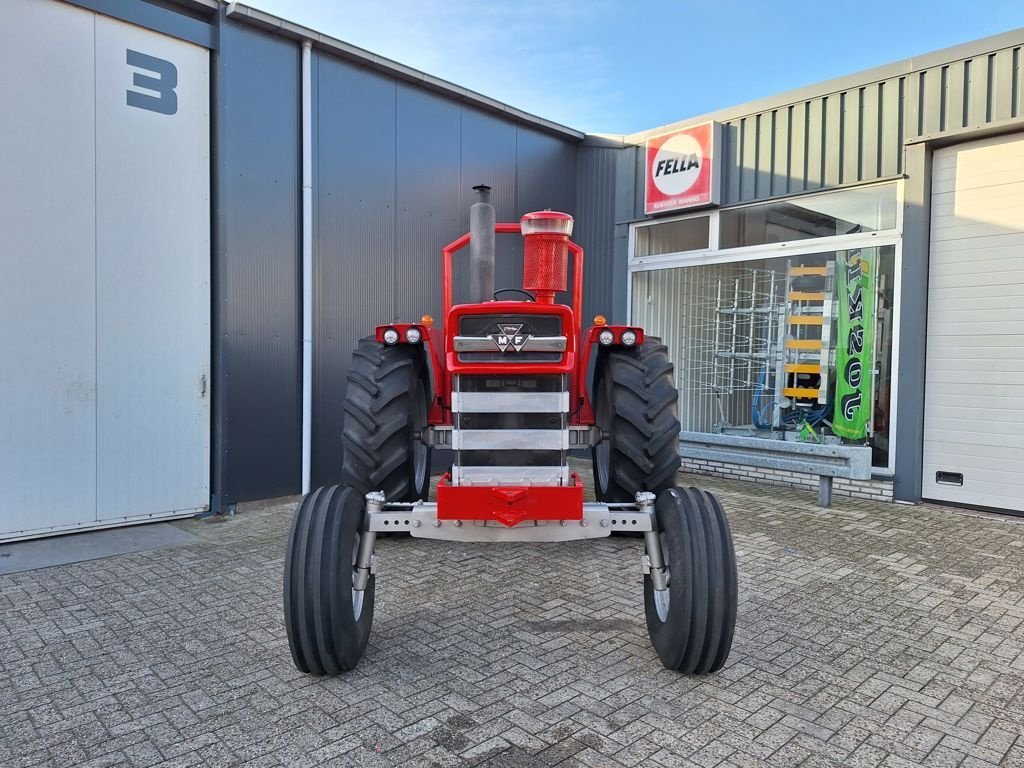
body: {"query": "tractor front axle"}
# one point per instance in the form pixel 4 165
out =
pixel 420 519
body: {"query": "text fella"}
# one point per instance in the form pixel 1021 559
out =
pixel 677 165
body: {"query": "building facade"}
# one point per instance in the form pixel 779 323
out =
pixel 210 205
pixel 911 175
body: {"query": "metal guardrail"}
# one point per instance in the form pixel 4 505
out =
pixel 826 461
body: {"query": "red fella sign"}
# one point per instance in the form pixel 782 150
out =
pixel 680 169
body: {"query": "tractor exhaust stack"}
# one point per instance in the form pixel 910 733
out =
pixel 481 246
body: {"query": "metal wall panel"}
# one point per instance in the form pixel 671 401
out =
pixel 857 134
pixel 765 127
pixel 489 147
pixel 595 227
pixel 780 159
pixel 626 186
pixel 890 140
pixel 355 269
pixel 429 195
pixel 869 113
pixel 257 310
pixel 913 303
pixel 797 169
pixel 545 172
pixel 47 268
pixel 393 182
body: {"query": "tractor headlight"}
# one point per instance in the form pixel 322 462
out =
pixel 629 338
pixel 606 337
pixel 390 336
pixel 413 335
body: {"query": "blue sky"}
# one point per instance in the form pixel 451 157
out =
pixel 607 66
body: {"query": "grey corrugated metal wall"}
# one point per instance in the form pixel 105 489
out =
pixel 394 168
pixel 256 307
pixel 595 208
pixel 858 134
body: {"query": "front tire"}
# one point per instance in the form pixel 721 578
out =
pixel 691 623
pixel 385 411
pixel 327 620
pixel 636 405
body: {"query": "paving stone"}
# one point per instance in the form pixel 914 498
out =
pixel 868 634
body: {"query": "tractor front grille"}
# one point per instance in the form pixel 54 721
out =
pixel 479 339
pixel 510 430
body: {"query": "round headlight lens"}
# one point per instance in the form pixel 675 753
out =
pixel 413 335
pixel 390 336
pixel 629 338
pixel 606 337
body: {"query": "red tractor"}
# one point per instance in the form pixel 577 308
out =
pixel 504 385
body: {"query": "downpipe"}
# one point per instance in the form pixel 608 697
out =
pixel 307 265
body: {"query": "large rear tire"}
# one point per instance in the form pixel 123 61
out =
pixel 691 623
pixel 327 620
pixel 636 405
pixel 385 410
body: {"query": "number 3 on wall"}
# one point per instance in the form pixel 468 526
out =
pixel 162 98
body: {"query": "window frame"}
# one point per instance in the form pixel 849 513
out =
pixel 714 255
pixel 713 223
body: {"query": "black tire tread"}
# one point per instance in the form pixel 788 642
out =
pixel 696 636
pixel 377 430
pixel 644 429
pixel 323 634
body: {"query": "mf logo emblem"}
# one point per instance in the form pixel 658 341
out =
pixel 509 337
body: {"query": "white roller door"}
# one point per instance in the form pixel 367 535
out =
pixel 974 385
pixel 104 272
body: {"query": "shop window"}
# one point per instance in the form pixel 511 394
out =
pixel 843 212
pixel 786 348
pixel 673 237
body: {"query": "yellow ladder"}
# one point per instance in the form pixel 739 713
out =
pixel 807 345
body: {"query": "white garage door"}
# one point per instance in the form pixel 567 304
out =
pixel 974 390
pixel 104 271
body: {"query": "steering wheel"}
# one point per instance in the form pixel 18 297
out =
pixel 529 296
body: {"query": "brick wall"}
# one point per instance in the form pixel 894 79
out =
pixel 876 490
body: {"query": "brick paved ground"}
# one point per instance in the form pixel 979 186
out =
pixel 868 635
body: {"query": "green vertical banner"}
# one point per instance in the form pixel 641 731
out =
pixel 855 333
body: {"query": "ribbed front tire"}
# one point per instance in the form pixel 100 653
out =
pixel 327 620
pixel 385 409
pixel 636 406
pixel 691 623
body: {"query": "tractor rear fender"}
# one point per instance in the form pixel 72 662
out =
pixel 430 341
pixel 591 340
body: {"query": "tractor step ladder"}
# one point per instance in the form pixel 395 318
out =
pixel 808 334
